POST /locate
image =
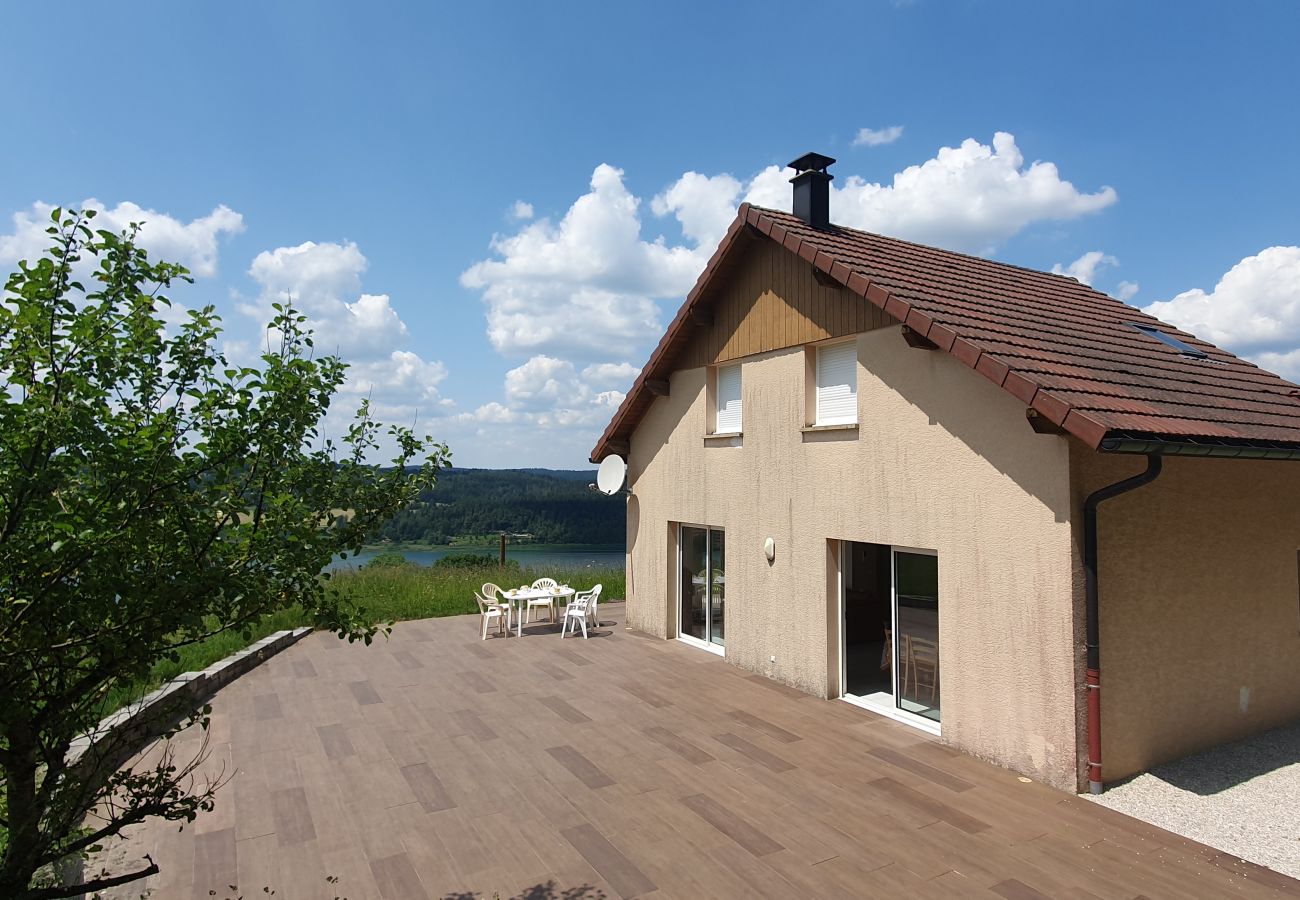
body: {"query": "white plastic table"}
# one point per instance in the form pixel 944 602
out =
pixel 519 598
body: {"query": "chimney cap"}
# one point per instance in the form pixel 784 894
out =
pixel 812 162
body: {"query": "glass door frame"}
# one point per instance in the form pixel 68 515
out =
pixel 879 703
pixel 719 649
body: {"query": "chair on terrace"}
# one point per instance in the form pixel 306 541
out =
pixel 494 595
pixel 593 596
pixel 580 609
pixel 488 611
pixel 542 584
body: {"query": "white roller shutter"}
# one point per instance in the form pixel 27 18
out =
pixel 728 399
pixel 837 384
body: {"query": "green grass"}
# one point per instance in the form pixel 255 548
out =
pixel 392 593
pixel 396 593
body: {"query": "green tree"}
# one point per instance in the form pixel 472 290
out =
pixel 152 494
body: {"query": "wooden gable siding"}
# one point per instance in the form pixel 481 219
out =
pixel 772 301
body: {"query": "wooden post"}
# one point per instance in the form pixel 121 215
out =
pixel 503 550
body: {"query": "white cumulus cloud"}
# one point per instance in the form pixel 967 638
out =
pixel 193 244
pixel 1125 290
pixel 521 211
pixel 491 413
pixel 585 286
pixel 550 393
pixel 971 197
pixel 1254 310
pixel 1084 269
pixel 610 374
pixel 703 205
pixel 876 137
pixel 544 382
pixel 324 281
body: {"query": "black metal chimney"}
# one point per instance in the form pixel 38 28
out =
pixel 812 189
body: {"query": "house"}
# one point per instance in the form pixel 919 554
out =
pixel 965 495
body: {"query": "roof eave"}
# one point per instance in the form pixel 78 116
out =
pixel 1218 448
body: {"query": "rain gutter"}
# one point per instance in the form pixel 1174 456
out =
pixel 1092 677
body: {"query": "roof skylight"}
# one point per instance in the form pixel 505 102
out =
pixel 1185 349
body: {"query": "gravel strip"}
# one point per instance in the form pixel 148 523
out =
pixel 1242 798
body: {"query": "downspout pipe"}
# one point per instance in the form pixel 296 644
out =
pixel 1092 677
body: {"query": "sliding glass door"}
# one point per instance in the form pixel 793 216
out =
pixel 889 629
pixel 702 585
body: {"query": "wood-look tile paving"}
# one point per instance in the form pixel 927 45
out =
pixel 473 725
pixel 435 764
pixel 335 741
pixel 427 787
pixel 215 862
pixel 397 878
pixel 723 819
pixel 916 767
pixel 582 768
pixel 754 752
pixel 293 822
pixel 564 710
pixel 645 695
pixel 365 693
pixel 679 745
pixel 267 706
pixel 623 875
pixel 770 729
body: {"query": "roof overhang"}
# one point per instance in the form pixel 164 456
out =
pixel 1147 444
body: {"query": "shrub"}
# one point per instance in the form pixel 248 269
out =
pixel 387 560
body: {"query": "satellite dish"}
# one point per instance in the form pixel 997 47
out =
pixel 610 475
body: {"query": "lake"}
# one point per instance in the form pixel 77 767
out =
pixel 536 558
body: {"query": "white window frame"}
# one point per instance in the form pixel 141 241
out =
pixel 716 649
pixel 841 416
pixel 880 704
pixel 728 418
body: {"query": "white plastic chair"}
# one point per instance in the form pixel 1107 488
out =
pixel 489 611
pixel 544 584
pixel 577 611
pixel 594 594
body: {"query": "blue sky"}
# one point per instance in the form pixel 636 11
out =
pixel 486 207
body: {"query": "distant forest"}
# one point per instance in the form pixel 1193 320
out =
pixel 551 506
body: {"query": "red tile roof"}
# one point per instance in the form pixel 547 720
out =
pixel 1065 350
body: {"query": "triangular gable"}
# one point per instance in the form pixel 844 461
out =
pixel 771 301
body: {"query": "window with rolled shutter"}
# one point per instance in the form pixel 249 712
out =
pixel 728 419
pixel 837 384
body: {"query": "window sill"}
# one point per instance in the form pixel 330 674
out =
pixel 723 439
pixel 845 426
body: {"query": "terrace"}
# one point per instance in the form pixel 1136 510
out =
pixel 435 764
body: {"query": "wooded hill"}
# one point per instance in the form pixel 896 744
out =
pixel 553 506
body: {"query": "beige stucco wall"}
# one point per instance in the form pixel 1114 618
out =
pixel 1199 602
pixel 943 461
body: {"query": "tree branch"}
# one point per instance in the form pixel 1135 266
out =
pixel 99 884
